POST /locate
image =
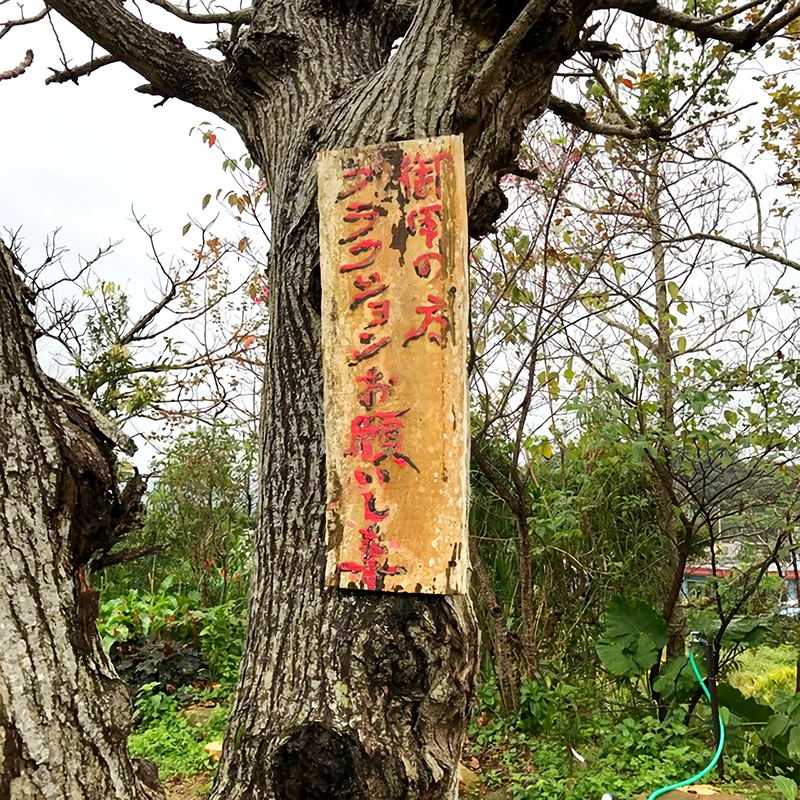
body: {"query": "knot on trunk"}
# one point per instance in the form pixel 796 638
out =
pixel 316 763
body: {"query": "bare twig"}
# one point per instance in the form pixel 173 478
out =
pixel 745 247
pixel 13 23
pixel 240 17
pixel 73 73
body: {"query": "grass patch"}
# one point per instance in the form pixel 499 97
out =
pixel 765 672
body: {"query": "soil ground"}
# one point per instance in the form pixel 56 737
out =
pixel 183 788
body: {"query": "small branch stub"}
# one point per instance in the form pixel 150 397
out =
pixel 393 239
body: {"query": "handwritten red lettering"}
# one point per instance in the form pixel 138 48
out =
pixel 370 246
pixel 361 175
pixel 372 573
pixel 417 175
pixel 380 313
pixel 370 287
pixel 358 212
pixel 424 221
pixel 432 316
pixel 376 390
pixel 422 264
pixel 376 437
pixel 368 352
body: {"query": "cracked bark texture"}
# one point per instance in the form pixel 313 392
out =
pixel 64 713
pixel 348 694
pixel 344 694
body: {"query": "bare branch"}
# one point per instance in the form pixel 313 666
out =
pixel 161 58
pixel 8 26
pixel 707 28
pixel 241 17
pixel 745 247
pixel 19 69
pixel 125 556
pixel 576 115
pixel 73 73
pixel 734 12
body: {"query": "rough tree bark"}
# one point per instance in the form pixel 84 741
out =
pixel 64 713
pixel 342 694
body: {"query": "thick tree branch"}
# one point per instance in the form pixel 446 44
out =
pixel 503 53
pixel 73 73
pixel 741 38
pixel 576 115
pixel 162 58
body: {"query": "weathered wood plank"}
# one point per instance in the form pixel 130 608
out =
pixel 393 239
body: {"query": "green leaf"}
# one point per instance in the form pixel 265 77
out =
pixel 786 786
pixel 186 228
pixel 681 344
pixel 634 634
pixel 744 707
pixel 615 660
pixel 206 200
pixel 794 742
pixel 673 290
pixel 775 728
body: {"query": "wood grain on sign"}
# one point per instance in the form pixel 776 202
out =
pixel 393 240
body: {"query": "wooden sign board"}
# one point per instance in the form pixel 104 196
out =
pixel 393 240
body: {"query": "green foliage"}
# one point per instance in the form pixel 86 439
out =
pixel 787 787
pixel 160 624
pixel 168 738
pixel 201 506
pixel 143 614
pixel 201 509
pixel 542 703
pixel 106 369
pixel 764 672
pixel 632 638
pixel 623 755
pixel 782 731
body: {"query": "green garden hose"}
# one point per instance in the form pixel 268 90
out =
pixel 714 760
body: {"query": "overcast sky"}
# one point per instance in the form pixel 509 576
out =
pixel 80 157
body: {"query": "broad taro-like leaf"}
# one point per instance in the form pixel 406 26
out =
pixel 634 634
pixel 745 708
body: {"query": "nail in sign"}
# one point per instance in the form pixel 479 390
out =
pixel 393 241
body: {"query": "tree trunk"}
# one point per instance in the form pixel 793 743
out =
pixel 342 694
pixel 64 713
pixel 668 523
pixel 506 663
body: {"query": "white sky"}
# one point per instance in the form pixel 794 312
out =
pixel 79 157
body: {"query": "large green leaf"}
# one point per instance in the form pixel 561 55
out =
pixel 632 638
pixel 745 708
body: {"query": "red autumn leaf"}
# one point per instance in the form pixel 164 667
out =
pixel 627 82
pixel 212 139
pixel 248 341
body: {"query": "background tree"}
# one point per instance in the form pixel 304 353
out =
pixel 384 715
pixel 201 508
